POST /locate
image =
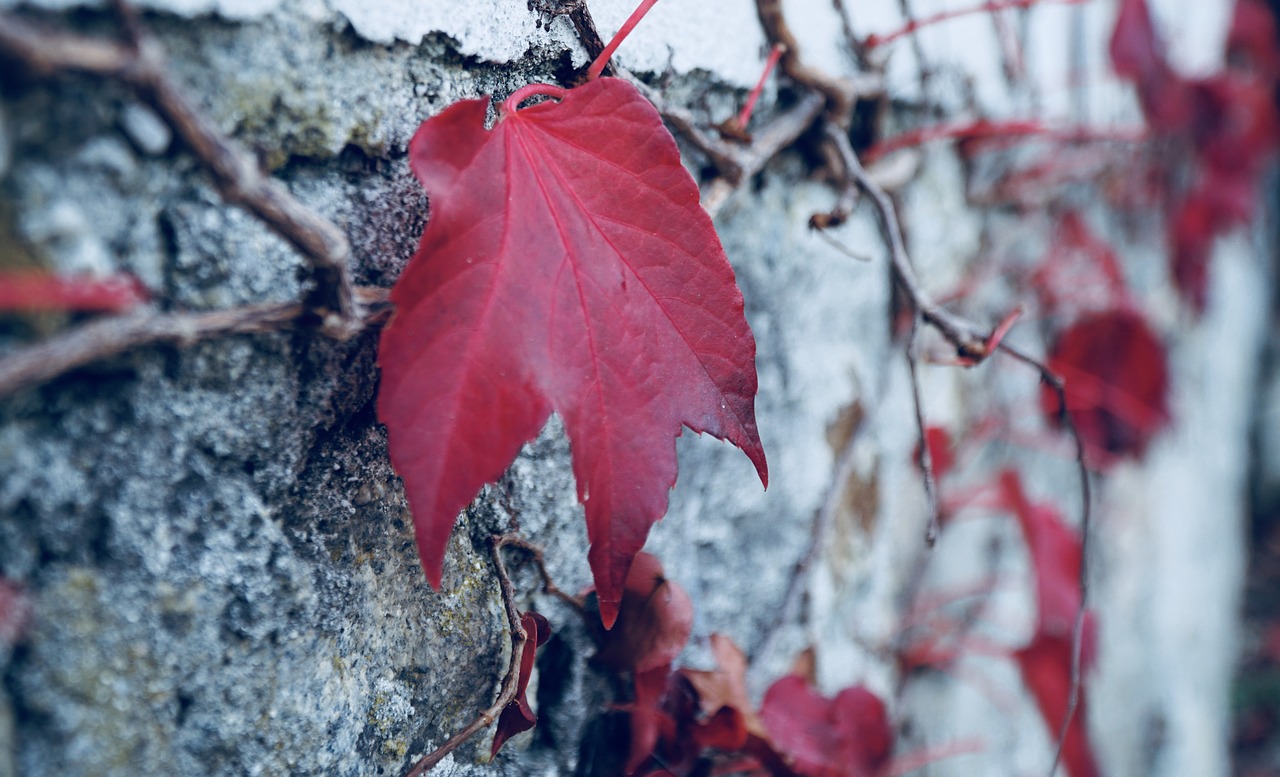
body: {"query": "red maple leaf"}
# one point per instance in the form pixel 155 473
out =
pixel 518 716
pixel 567 266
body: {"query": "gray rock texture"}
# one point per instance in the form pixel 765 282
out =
pixel 219 558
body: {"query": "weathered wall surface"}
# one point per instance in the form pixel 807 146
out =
pixel 220 560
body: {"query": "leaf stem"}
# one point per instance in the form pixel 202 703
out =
pixel 630 24
pixel 512 103
pixel 992 7
pixel 774 55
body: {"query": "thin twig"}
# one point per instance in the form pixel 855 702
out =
pixel 1005 132
pixel 510 682
pixel 1058 386
pixel 851 40
pixel 925 455
pixel 140 65
pixel 779 134
pixel 101 339
pixel 839 94
pixel 917 47
pixel 968 338
pixel 972 347
pixel 591 41
pixel 821 94
pixel 914 24
pixel 538 555
pixel 735 164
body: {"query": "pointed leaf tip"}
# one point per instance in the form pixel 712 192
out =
pixel 609 613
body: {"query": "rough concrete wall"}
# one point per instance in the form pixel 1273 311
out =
pixel 220 559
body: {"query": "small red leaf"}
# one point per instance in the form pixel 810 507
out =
pixel 654 622
pixel 1117 382
pixel 33 291
pixel 518 716
pixel 567 266
pixel 941 453
pixel 848 736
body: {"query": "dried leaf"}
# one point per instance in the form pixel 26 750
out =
pixel 725 688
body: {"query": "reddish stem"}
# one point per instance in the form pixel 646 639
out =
pixel 915 24
pixel 998 130
pixel 630 24
pixel 37 290
pixel 774 55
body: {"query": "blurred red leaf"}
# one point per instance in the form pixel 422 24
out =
pixel 1055 556
pixel 517 716
pixel 1081 271
pixel 655 619
pixel 725 688
pixel 1229 121
pixel 847 736
pixel 1117 382
pixel 1045 662
pixel 941 453
pixel 567 266
pixel 31 291
pixel 1138 54
pixel 649 720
